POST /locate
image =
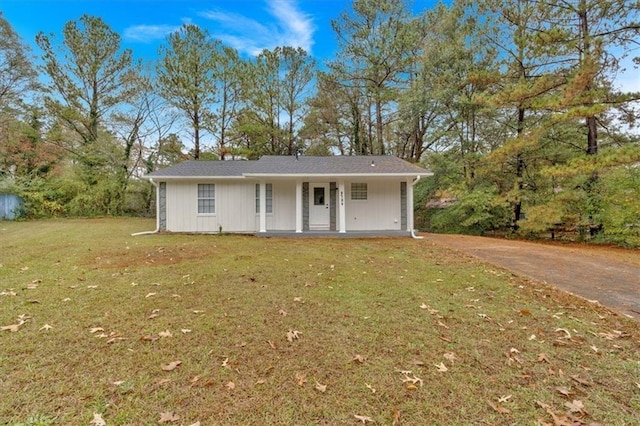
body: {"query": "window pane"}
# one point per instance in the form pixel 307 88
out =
pixel 318 196
pixel 358 191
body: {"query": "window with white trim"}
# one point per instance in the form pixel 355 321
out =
pixel 206 198
pixel 358 191
pixel 268 196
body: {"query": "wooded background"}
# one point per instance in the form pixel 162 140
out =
pixel 514 105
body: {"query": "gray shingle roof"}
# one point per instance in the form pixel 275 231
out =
pixel 292 166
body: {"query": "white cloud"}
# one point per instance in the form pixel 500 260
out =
pixel 148 33
pixel 289 27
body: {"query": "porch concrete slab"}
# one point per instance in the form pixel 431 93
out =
pixel 334 234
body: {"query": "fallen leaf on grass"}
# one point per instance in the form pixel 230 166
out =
pixel 225 363
pixel 293 335
pixel 363 419
pixel 95 330
pixel 583 382
pixel 567 335
pixel 499 408
pixel 168 417
pixel 185 330
pixel 297 299
pixel 13 327
pixel 441 367
pixel 195 424
pixel 98 420
pixel 230 385
pixel 575 406
pixel 171 366
pixel 271 344
pixel 300 378
pixel 165 333
pixel 396 418
pixel 115 339
pixel 46 327
pixel 371 388
pixel 504 398
pixel 322 388
pixel 564 391
pixel 150 294
pixel 543 358
pixel 282 312
pixel 359 359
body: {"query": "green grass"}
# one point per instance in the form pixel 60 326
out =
pixel 400 304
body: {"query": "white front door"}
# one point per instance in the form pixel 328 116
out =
pixel 319 206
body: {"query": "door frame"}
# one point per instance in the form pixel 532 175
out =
pixel 319 215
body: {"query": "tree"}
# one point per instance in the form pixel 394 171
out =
pixel 186 77
pixel 230 75
pixel 375 44
pixel 276 87
pixel 17 74
pixel 90 78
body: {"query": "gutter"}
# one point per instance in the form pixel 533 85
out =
pixel 413 231
pixel 157 215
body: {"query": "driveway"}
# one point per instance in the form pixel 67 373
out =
pixel 609 275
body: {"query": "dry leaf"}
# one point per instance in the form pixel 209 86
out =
pixel 195 424
pixel 165 333
pixel 441 367
pixel 371 388
pixel 115 339
pixel 273 345
pixel 95 330
pixel 504 398
pixel 543 358
pixel 359 359
pixel 163 381
pixel 564 391
pixel 168 417
pixel 300 378
pixel 580 380
pixel 293 335
pixel 12 327
pixel 363 419
pixel 46 327
pixel 225 363
pixel 450 356
pixel 297 299
pixel 567 335
pixel 321 388
pixel 576 406
pixel 193 381
pixel 396 418
pixel 230 385
pixel 443 325
pixel 151 294
pixel 98 420
pixel 185 330
pixel 499 408
pixel 282 312
pixel 171 366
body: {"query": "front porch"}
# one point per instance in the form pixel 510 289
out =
pixel 335 234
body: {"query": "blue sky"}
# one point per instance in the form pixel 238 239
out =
pixel 247 25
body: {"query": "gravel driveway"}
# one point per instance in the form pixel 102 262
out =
pixel 609 275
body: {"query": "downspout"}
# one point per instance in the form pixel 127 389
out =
pixel 413 231
pixel 157 214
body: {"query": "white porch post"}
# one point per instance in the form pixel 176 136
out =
pixel 342 215
pixel 263 206
pixel 298 206
pixel 410 205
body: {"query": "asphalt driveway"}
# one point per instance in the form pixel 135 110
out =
pixel 609 275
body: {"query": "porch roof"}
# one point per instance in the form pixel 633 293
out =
pixel 290 166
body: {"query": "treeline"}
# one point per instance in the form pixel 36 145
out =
pixel 513 104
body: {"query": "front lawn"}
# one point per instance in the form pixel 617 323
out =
pixel 220 329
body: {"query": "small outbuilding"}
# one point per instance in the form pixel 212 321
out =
pixel 288 194
pixel 11 206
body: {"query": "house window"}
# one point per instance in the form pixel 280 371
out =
pixel 206 198
pixel 358 191
pixel 269 197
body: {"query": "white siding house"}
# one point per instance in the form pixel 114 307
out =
pixel 288 194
